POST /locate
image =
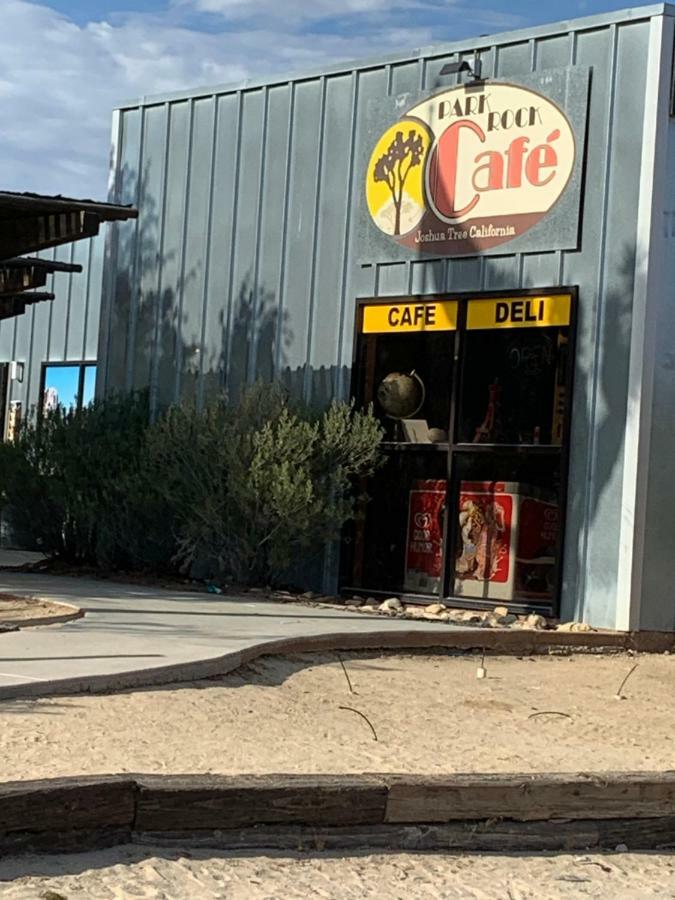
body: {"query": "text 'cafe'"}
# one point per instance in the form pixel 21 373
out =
pixel 476 239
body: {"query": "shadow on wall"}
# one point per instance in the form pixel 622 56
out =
pixel 168 326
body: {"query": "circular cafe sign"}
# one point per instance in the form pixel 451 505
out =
pixel 470 168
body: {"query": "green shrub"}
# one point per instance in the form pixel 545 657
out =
pixel 77 484
pixel 242 490
pixel 255 484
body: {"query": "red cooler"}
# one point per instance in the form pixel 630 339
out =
pixel 508 534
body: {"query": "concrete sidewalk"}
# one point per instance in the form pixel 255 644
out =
pixel 133 636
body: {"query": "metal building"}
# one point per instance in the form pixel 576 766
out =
pixel 521 255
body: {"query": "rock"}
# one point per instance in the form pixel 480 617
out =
pixel 414 612
pixel 500 611
pixel 467 617
pixel 574 626
pixel 534 622
pixel 436 609
pixel 505 620
pixel 621 848
pixel 355 601
pixel 309 595
pixel 368 608
pixel 391 606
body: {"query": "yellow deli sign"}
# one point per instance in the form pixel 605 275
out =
pixel 519 312
pixel 401 317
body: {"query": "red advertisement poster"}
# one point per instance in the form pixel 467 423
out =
pixel 485 521
pixel 424 546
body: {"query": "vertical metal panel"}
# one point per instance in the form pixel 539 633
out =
pixel 405 78
pixel 271 335
pixel 77 300
pixel 94 281
pixel 463 274
pixel 514 59
pixel 318 177
pixel 500 273
pixel 392 279
pixel 539 269
pixel 243 299
pixel 146 259
pixel 656 597
pixel 207 251
pixel 121 291
pixel 196 240
pixel 300 225
pixel 333 216
pixel 551 53
pixel 222 246
pixel 59 308
pixel 428 277
pixel 584 267
pixel 646 563
pixel 167 309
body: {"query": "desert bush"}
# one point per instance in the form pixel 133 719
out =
pixel 254 484
pixel 77 483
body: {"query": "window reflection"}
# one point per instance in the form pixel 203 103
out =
pixel 68 386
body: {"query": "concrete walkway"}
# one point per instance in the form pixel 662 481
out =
pixel 132 636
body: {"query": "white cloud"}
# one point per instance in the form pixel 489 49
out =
pixel 59 81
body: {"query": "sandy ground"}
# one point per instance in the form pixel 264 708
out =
pixel 18 610
pixel 132 872
pixel 431 715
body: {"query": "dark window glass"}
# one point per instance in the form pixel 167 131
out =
pixel 513 386
pixel 399 535
pixel 407 377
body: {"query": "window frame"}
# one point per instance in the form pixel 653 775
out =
pixel 81 365
pixel 454 448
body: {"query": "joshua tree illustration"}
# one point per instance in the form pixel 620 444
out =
pixel 394 166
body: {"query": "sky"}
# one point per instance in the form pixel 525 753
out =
pixel 65 64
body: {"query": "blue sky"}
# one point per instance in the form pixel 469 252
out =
pixel 64 64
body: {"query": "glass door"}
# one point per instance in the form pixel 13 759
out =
pixel 507 460
pixel 405 365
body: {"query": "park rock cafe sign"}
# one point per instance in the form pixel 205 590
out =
pixel 470 168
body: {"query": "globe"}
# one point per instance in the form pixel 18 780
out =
pixel 401 395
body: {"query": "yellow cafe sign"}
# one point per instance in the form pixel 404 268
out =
pixel 544 311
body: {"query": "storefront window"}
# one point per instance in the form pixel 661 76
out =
pixel 68 385
pixel 470 502
pixel 513 384
pixel 406 357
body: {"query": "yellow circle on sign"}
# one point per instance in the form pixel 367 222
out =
pixel 395 177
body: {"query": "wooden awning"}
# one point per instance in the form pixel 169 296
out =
pixel 30 223
pixel 12 305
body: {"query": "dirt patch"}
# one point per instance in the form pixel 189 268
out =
pixel 431 714
pixel 21 612
pixel 163 873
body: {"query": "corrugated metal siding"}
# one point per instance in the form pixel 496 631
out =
pixel 657 598
pixel 65 329
pixel 243 262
